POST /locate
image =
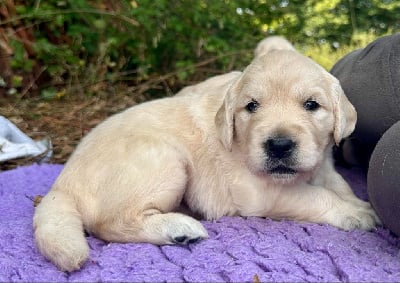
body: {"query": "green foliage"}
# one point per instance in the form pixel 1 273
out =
pixel 48 93
pixel 84 46
pixel 19 60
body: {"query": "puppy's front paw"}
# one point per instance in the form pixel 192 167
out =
pixel 350 216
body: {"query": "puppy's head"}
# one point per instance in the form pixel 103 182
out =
pixel 282 114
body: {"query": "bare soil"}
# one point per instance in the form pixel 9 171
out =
pixel 65 121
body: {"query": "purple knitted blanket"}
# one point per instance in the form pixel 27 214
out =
pixel 238 250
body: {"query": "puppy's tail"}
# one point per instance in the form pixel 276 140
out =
pixel 59 231
pixel 272 43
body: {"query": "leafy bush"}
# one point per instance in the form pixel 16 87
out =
pixel 64 47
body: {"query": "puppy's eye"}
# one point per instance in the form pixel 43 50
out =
pixel 252 106
pixel 311 105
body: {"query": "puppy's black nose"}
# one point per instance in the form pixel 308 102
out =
pixel 279 147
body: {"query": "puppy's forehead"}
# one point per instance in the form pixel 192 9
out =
pixel 284 70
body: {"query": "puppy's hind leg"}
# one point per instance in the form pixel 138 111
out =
pixel 147 213
pixel 154 227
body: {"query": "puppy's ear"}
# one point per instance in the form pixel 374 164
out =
pixel 344 113
pixel 224 119
pixel 272 43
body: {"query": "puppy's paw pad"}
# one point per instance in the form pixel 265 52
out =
pixel 180 239
pixel 184 240
pixel 194 240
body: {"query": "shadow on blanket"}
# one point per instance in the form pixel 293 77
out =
pixel 238 249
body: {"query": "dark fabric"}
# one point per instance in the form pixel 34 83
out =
pixel 370 77
pixel 384 180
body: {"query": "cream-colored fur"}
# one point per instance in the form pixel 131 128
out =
pixel 210 149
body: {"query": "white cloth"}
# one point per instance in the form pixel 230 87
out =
pixel 15 144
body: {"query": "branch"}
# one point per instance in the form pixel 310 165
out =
pixel 151 82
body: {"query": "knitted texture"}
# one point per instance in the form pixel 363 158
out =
pixel 238 249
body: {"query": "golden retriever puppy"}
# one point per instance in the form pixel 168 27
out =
pixel 251 143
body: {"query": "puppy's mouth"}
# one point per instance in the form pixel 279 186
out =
pixel 281 170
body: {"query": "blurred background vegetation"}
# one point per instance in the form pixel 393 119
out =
pixel 50 49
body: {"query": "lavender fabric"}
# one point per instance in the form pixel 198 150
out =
pixel 238 248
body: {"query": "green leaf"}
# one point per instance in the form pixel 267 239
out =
pixel 48 93
pixel 16 81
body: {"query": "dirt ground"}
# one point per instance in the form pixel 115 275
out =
pixel 64 121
